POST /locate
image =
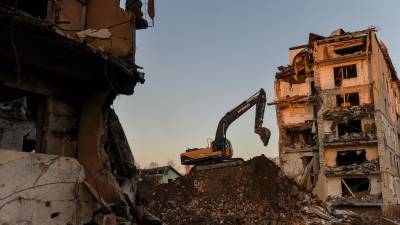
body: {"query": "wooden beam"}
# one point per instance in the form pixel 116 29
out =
pixel 348 188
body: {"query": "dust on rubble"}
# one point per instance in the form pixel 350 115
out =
pixel 256 192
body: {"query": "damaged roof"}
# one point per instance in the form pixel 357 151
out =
pixel 337 36
pixel 158 171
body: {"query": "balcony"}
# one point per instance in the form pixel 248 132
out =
pixel 330 140
pixel 365 168
pixel 353 112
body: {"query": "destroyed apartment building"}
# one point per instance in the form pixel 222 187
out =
pixel 64 157
pixel 338 111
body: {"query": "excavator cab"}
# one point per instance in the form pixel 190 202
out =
pixel 225 147
pixel 228 151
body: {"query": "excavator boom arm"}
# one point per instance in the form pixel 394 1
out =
pixel 259 99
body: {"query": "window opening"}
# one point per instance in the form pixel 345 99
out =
pixel 344 72
pixel 352 126
pixel 355 186
pixel 346 158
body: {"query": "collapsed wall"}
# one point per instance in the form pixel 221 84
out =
pixel 44 189
pixel 64 157
pixel 256 192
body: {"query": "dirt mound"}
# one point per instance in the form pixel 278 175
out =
pixel 254 193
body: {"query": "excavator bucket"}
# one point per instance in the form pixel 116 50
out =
pixel 264 134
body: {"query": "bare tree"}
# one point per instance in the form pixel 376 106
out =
pixel 171 162
pixel 137 165
pixel 152 165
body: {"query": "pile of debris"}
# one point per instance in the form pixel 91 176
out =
pixel 349 113
pixel 368 167
pixel 356 199
pixel 351 137
pixel 256 192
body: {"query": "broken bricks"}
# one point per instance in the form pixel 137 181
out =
pixel 256 192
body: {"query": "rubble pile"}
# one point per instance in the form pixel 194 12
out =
pixel 351 137
pixel 348 113
pixel 358 198
pixel 368 167
pixel 256 192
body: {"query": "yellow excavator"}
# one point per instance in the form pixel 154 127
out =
pixel 221 148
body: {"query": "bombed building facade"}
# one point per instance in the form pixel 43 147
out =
pixel 64 158
pixel 338 110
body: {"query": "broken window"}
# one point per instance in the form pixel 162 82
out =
pixel 344 72
pixel 19 113
pixel 352 126
pixel 339 100
pixel 29 143
pixel 352 98
pixel 293 137
pixel 346 158
pixel 307 137
pixel 307 180
pixel 347 100
pixel 355 186
pixel 299 137
pixel 37 8
pixel 306 160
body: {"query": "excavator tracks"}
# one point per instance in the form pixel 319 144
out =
pixel 212 166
